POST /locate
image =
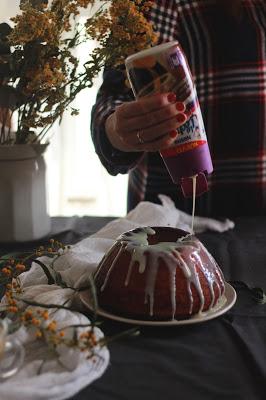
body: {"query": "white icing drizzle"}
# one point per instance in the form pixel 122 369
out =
pixel 129 271
pixel 183 253
pixel 194 186
pixel 150 283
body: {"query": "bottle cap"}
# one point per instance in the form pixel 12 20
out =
pixel 201 185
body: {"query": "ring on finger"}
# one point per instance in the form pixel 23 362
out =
pixel 141 141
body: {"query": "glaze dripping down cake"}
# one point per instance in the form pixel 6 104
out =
pixel 159 273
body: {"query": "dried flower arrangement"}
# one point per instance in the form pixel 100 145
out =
pixel 40 75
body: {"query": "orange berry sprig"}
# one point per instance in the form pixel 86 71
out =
pixel 46 329
pixel 36 318
pixel 55 248
pixel 11 268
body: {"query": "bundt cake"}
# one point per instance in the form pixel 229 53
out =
pixel 158 273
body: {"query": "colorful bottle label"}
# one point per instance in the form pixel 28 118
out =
pixel 168 71
pixel 191 135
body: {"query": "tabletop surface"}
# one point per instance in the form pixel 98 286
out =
pixel 224 358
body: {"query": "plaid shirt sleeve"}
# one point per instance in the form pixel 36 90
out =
pixel 112 93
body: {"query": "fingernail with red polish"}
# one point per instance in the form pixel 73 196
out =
pixel 171 97
pixel 180 106
pixel 173 134
pixel 181 117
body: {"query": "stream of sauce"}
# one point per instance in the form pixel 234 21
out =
pixel 194 185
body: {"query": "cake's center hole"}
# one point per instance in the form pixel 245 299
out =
pixel 163 235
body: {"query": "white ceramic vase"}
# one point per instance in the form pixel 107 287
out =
pixel 23 204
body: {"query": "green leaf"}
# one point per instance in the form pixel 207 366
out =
pixel 47 272
pixel 258 295
pixel 59 280
pixel 93 298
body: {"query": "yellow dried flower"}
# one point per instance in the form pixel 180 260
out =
pixel 38 334
pixel 51 326
pixel 28 314
pixel 35 321
pixel 48 74
pixel 34 25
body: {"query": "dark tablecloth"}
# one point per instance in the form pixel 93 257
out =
pixel 224 358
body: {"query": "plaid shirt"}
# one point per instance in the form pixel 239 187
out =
pixel 228 63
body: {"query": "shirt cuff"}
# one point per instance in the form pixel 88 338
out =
pixel 114 160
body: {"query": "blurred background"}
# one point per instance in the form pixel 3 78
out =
pixel 77 184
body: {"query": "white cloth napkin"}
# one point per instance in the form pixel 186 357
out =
pixel 167 214
pixel 60 376
pixel 57 382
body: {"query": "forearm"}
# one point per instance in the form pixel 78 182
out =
pixel 112 93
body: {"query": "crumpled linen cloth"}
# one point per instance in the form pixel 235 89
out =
pixel 56 381
pixel 44 374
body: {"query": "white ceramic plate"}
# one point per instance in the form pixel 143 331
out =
pixel 228 301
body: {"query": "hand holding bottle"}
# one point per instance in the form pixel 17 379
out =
pixel 146 124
